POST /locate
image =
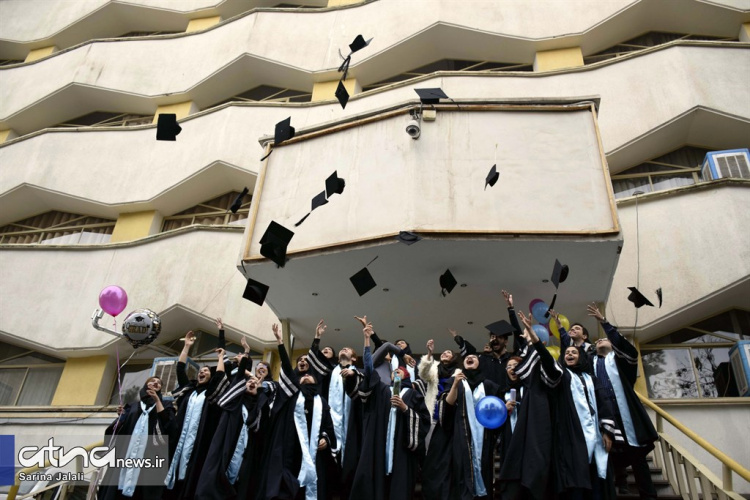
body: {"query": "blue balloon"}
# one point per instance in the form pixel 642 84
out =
pixel 491 412
pixel 541 332
pixel 538 311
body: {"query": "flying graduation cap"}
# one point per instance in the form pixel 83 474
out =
pixel 363 281
pixel 282 132
pixel 167 128
pixel 637 298
pixel 237 203
pixel 431 96
pixel 559 275
pixel 318 201
pixel 274 242
pixel 447 282
pixel 255 291
pixel 492 177
pixel 342 95
pixel 358 44
pixel 408 238
pixel 334 184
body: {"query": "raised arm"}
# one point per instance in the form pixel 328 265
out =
pixel 564 337
pixel 222 338
pixel 518 340
pixel 549 369
pixel 367 357
pixel 317 360
pixel 464 346
pixel 286 364
pixel 380 353
pixel 182 378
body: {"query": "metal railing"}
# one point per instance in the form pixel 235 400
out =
pixel 28 470
pixel 689 478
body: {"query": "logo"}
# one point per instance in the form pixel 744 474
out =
pixel 30 456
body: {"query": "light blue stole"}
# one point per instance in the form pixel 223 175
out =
pixel 477 435
pixel 622 401
pixel 234 465
pixel 340 404
pixel 589 422
pixel 179 464
pixel 136 448
pixel 308 476
pixel 514 416
pixel 391 434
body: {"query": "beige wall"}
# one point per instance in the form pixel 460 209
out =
pixel 83 381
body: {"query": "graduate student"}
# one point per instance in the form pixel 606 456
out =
pixel 577 336
pixel 235 454
pixel 144 427
pixel 436 374
pixel 395 423
pixel 301 431
pixel 525 471
pixel 616 367
pixel 493 363
pixel 197 416
pixel 581 441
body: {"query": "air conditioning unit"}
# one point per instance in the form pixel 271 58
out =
pixel 739 357
pixel 733 163
pixel 166 370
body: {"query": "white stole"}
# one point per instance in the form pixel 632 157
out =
pixel 477 435
pixel 308 476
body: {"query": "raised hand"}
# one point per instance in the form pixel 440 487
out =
pixel 220 353
pixel 219 324
pixel 595 312
pixel 430 347
pixel 528 332
pixel 508 298
pixel 189 338
pixel 556 316
pixel 362 320
pixel 367 330
pixel 245 345
pixel 410 361
pixel 453 332
pixel 277 333
pixel 320 329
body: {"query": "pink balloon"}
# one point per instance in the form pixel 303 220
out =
pixel 113 300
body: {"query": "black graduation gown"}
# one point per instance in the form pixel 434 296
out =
pixel 282 457
pixel 570 453
pixel 370 479
pixel 459 474
pixel 529 452
pixel 210 415
pixel 213 482
pixel 626 360
pixel 125 426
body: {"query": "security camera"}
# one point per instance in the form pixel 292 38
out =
pixel 413 129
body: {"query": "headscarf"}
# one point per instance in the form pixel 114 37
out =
pixel 310 390
pixel 148 400
pixel 582 366
pixel 446 371
pixel 474 377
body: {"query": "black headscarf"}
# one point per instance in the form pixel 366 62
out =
pixel 446 371
pixel 474 377
pixel 145 398
pixel 582 366
pixel 310 390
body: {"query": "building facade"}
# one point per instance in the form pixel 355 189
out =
pixel 598 116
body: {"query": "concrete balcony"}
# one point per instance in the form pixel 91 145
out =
pixel 553 200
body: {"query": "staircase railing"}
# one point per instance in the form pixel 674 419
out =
pixel 688 477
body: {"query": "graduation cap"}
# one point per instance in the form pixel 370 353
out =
pixel 237 203
pixel 363 281
pixel 492 177
pixel 500 328
pixel 658 294
pixel 431 96
pixel 408 238
pixel 255 291
pixel 559 275
pixel 318 201
pixel 167 128
pixel 274 242
pixel 341 94
pixel 447 282
pixel 637 298
pixel 359 43
pixel 283 132
pixel 334 184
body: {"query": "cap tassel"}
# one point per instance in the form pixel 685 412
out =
pixel 551 305
pixel 344 68
pixel 269 154
pixel 302 219
pixel 658 294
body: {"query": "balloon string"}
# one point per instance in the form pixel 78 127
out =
pixel 119 384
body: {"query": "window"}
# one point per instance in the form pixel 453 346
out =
pixel 132 378
pixel 681 167
pixel 212 212
pixel 267 93
pixel 108 119
pixel 451 65
pixel 645 41
pixel 58 228
pixel 693 362
pixel 27 378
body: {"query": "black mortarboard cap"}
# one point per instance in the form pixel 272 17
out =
pixel 359 43
pixel 319 200
pixel 559 273
pixel 659 295
pixel 430 96
pixel 637 298
pixel 447 282
pixel 500 328
pixel 284 131
pixel 274 242
pixel 492 177
pixel 342 95
pixel 408 238
pixel 334 184
pixel 237 203
pixel 167 128
pixel 363 281
pixel 255 291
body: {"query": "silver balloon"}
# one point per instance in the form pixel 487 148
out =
pixel 141 327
